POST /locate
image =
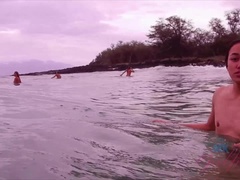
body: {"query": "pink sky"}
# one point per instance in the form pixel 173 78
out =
pixel 74 32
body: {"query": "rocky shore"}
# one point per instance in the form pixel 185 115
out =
pixel 177 62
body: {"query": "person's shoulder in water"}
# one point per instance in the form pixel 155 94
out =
pixel 57 75
pixel 129 71
pixel 224 116
pixel 17 80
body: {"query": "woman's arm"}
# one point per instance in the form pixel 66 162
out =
pixel 209 125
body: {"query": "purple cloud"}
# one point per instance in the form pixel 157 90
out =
pixel 51 17
pixel 74 32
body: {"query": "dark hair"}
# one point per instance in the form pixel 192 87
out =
pixel 16 73
pixel 229 48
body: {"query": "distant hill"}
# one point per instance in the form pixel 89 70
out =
pixel 27 66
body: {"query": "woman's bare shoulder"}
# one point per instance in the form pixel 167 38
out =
pixel 223 90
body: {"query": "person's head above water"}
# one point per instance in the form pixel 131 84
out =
pixel 233 43
pixel 16 74
pixel 232 61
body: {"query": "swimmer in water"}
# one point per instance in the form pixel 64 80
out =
pixel 225 114
pixel 57 75
pixel 224 118
pixel 129 71
pixel 17 81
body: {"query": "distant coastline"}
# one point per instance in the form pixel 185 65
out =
pixel 172 41
pixel 217 61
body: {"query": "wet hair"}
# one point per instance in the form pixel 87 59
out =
pixel 229 48
pixel 16 73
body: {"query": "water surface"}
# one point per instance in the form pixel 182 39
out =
pixel 99 125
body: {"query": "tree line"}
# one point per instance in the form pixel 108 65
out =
pixel 175 37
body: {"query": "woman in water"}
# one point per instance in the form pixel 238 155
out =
pixel 129 71
pixel 57 75
pixel 17 81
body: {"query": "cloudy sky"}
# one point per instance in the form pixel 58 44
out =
pixel 72 32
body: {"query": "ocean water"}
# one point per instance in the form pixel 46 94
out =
pixel 99 126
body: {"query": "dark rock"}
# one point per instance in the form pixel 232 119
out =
pixel 178 62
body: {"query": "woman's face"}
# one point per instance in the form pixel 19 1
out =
pixel 234 63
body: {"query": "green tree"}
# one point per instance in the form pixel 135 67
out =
pixel 201 42
pixel 125 53
pixel 233 20
pixel 171 36
pixel 217 28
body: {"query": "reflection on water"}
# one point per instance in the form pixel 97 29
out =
pixel 99 125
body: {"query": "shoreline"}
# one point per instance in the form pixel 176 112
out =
pixel 217 61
